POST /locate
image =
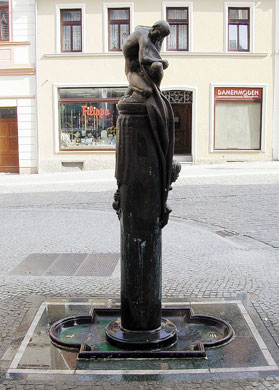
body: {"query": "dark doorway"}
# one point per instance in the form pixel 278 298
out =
pixel 181 102
pixel 183 128
pixel 9 161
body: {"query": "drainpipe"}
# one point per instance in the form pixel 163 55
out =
pixel 275 136
pixel 37 83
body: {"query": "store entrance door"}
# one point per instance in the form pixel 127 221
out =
pixel 183 128
pixel 9 160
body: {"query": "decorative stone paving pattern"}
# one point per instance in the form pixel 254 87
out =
pixel 66 383
pixel 210 264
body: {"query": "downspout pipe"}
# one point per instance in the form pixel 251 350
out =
pixel 37 84
pixel 275 136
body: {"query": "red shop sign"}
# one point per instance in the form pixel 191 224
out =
pixel 238 93
pixel 93 111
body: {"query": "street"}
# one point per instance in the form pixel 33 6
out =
pixel 222 241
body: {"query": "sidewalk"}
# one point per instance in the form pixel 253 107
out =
pixel 104 180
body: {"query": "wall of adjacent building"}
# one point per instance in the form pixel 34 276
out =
pixel 18 80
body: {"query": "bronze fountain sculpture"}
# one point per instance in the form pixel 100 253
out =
pixel 145 171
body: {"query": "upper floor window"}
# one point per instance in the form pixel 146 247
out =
pixel 4 20
pixel 178 19
pixel 238 29
pixel 118 27
pixel 71 30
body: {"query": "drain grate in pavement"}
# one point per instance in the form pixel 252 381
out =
pixel 96 265
pixel 226 233
pixel 35 264
pixel 68 264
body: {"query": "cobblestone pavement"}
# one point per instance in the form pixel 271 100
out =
pixel 222 238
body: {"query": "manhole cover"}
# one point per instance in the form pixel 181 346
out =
pixel 68 264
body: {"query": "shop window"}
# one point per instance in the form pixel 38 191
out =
pixel 88 118
pixel 178 19
pixel 71 30
pixel 4 20
pixel 238 118
pixel 118 27
pixel 238 29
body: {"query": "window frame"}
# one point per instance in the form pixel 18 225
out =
pixel 263 118
pixel 92 101
pixel 188 5
pixel 238 23
pixel 117 22
pixel 8 6
pixel 251 33
pixel 71 24
pixel 56 116
pixel 59 8
pixel 106 7
pixel 177 23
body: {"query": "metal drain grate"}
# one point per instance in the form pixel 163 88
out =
pixel 68 264
pixel 98 264
pixel 226 233
pixel 35 264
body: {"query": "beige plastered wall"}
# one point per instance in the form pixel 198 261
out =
pixel 208 64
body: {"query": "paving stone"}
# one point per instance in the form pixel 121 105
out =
pixel 222 240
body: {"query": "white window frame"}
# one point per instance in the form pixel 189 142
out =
pixel 10 20
pixel 59 7
pixel 263 119
pixel 189 5
pixel 106 7
pixel 10 16
pixel 251 6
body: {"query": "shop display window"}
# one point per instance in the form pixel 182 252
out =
pixel 238 118
pixel 178 21
pixel 88 118
pixel 4 20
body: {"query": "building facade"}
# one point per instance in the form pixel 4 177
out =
pixel 18 128
pixel 220 81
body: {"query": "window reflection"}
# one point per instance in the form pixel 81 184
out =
pixel 88 118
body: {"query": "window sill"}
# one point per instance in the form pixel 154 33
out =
pixel 65 151
pixel 213 54
pixel 104 54
pixel 17 70
pixel 165 53
pixel 11 43
pixel 238 151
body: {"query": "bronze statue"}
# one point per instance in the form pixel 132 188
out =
pixel 144 70
pixel 144 173
pixel 143 63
